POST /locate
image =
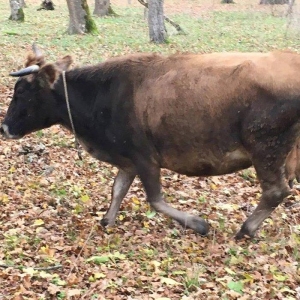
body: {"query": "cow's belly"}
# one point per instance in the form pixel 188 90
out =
pixel 207 164
pixel 98 153
pixel 95 151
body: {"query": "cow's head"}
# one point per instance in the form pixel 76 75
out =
pixel 33 104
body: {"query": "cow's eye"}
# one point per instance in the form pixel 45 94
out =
pixel 20 90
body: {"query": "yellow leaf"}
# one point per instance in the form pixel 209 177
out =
pixel 99 275
pixel 29 271
pixel 213 186
pixel 38 222
pixel 4 198
pixel 12 169
pixel 229 271
pixel 44 274
pixel 236 260
pixel 146 224
pixel 169 281
pixel 44 249
pixel 135 200
pixel 121 217
pixel 248 278
pixel 85 198
pixel 279 277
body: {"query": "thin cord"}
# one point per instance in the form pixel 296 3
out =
pixel 70 115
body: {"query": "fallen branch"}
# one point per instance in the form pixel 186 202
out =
pixel 83 246
pixel 34 268
pixel 177 26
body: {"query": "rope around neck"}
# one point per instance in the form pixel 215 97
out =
pixel 70 115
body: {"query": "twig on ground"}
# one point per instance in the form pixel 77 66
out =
pixel 83 246
pixel 34 268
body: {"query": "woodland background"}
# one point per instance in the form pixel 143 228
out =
pixel 51 243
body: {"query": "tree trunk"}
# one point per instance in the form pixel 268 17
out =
pixel 157 30
pixel 273 2
pixel 101 7
pixel 290 7
pixel 80 18
pixel 16 8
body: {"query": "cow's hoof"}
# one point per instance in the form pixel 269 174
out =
pixel 242 234
pixel 106 222
pixel 199 225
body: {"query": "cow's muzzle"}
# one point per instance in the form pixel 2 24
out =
pixel 4 130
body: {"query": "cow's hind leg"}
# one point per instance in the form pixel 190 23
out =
pixel 120 188
pixel 274 190
pixel 150 177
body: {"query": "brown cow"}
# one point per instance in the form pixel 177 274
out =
pixel 199 115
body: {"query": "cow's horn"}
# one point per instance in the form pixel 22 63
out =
pixel 25 71
pixel 36 50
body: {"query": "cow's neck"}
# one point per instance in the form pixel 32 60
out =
pixel 90 107
pixel 81 98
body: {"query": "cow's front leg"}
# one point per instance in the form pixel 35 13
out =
pixel 120 188
pixel 150 177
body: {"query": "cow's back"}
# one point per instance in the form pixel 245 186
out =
pixel 192 107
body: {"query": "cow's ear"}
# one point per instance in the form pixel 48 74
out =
pixel 32 59
pixel 64 63
pixel 48 75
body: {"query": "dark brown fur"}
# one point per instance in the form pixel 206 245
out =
pixel 198 115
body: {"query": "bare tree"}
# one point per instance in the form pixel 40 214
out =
pixel 103 8
pixel 290 7
pixel 16 8
pixel 167 19
pixel 80 18
pixel 157 30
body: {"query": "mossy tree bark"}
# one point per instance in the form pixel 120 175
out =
pixel 81 20
pixel 157 29
pixel 103 8
pixel 16 9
